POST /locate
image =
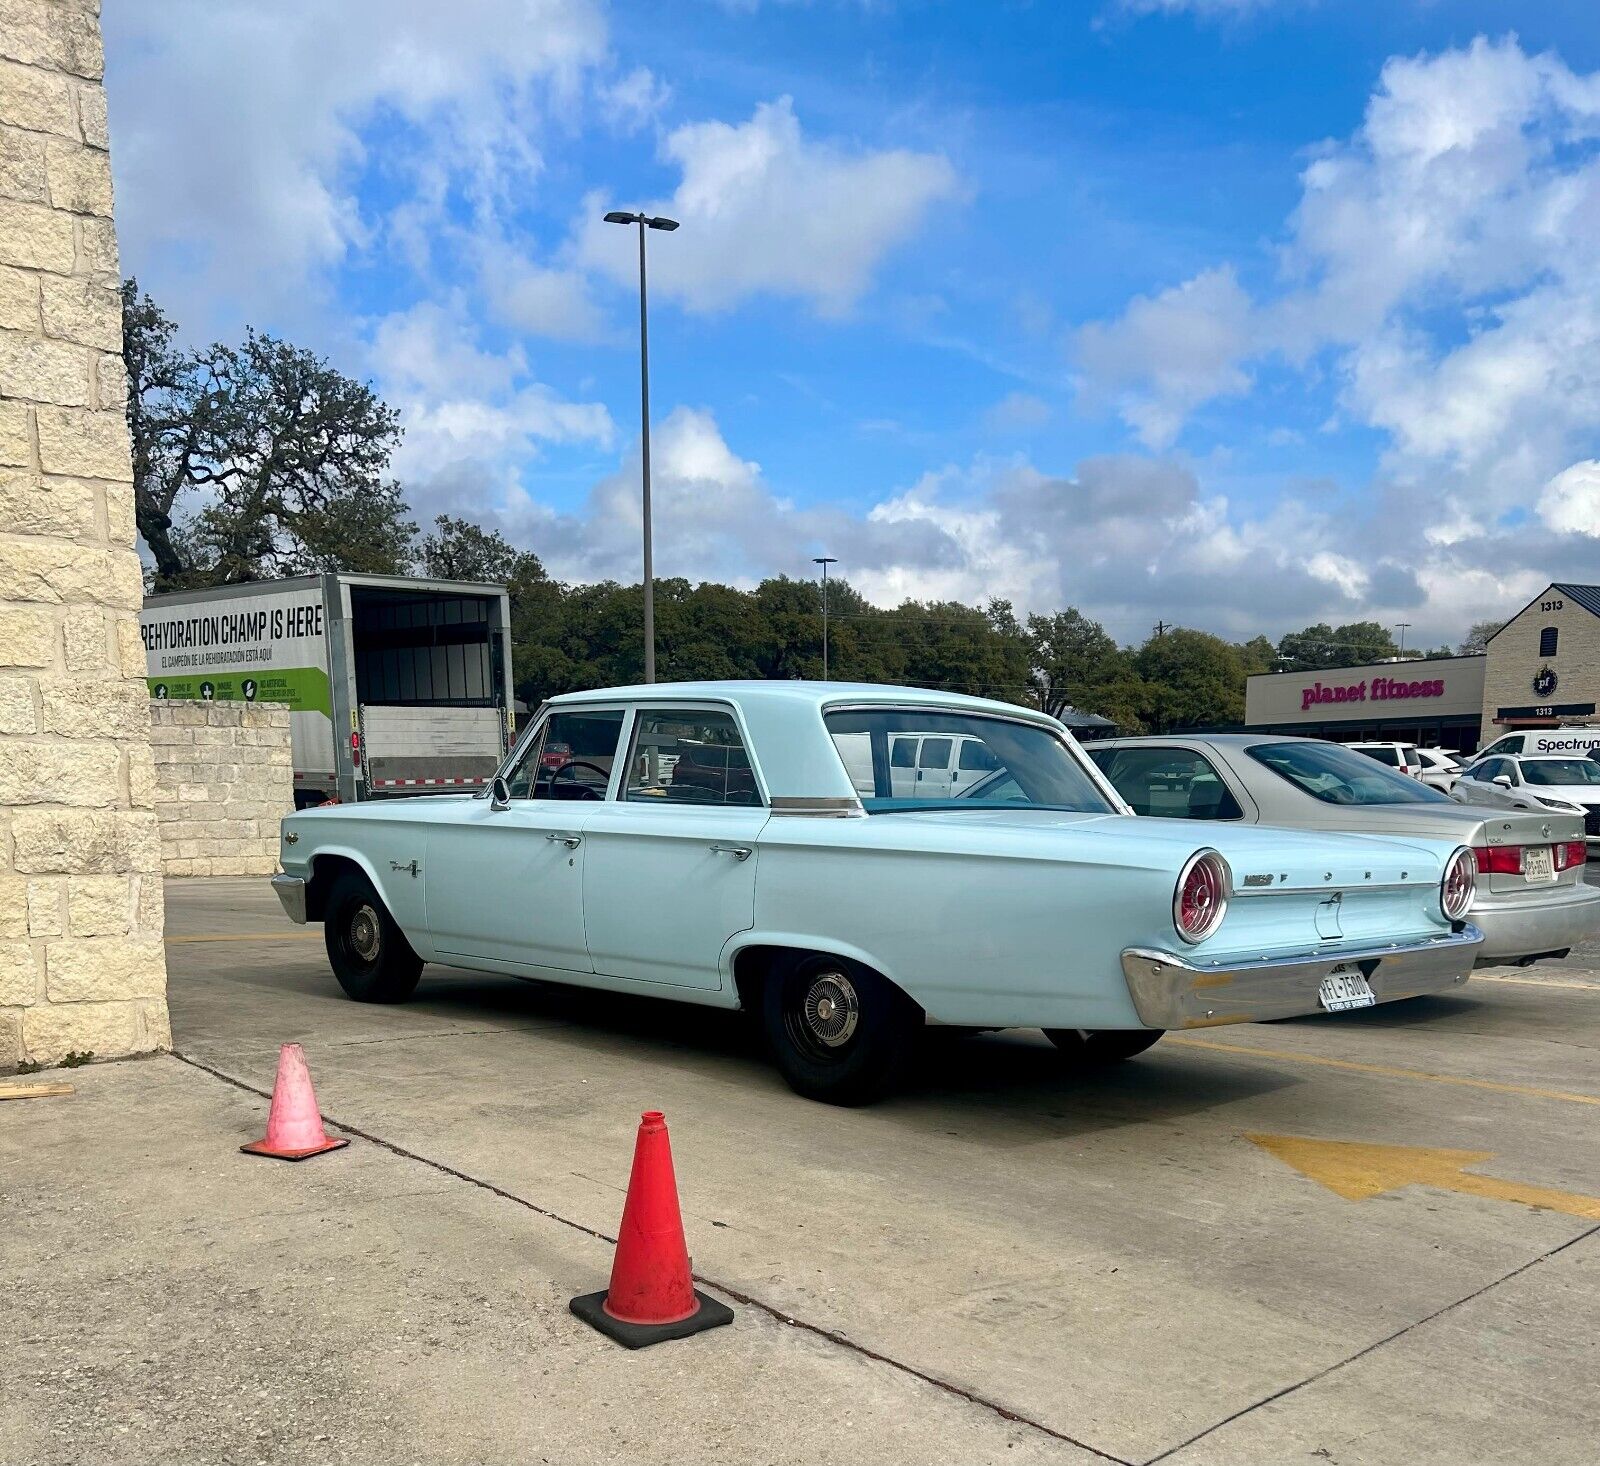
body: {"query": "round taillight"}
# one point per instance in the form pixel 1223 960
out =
pixel 1201 897
pixel 1460 879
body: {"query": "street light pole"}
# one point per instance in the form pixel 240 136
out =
pixel 824 561
pixel 1404 627
pixel 644 221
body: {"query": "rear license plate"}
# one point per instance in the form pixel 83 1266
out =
pixel 1346 987
pixel 1538 863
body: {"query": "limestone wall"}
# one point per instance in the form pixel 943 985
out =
pixel 81 959
pixel 224 778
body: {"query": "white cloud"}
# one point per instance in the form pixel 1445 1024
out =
pixel 767 210
pixel 540 299
pixel 469 413
pixel 1442 258
pixel 1168 353
pixel 241 130
pixel 1017 412
pixel 1570 503
pixel 635 100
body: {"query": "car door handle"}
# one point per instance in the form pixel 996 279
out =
pixel 738 852
pixel 567 838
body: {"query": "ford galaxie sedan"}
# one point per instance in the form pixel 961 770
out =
pixel 763 845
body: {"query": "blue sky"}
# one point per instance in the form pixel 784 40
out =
pixel 1236 313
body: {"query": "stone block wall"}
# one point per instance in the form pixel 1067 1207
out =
pixel 224 778
pixel 82 966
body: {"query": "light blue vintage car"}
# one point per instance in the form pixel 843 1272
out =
pixel 820 854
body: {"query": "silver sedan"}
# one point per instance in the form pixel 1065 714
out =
pixel 1531 900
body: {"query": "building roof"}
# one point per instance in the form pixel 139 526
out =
pixel 1587 596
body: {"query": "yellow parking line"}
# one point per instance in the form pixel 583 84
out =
pixel 1388 1072
pixel 1544 982
pixel 249 937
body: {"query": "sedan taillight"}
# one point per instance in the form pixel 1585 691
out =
pixel 1201 898
pixel 1456 889
pixel 1571 853
pixel 1498 860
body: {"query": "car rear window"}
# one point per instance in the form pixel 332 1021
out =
pixel 1020 763
pixel 1338 775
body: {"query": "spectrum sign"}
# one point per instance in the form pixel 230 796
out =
pixel 1377 689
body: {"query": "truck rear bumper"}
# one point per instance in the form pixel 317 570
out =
pixel 291 891
pixel 1170 991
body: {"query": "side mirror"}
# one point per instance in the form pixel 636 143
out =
pixel 499 794
pixel 1503 780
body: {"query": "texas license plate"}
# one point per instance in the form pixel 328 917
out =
pixel 1346 987
pixel 1538 863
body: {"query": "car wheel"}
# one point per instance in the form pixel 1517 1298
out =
pixel 1095 1046
pixel 367 951
pixel 838 1032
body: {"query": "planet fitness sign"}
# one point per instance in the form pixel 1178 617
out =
pixel 1379 689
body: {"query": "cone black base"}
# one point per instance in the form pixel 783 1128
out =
pixel 709 1315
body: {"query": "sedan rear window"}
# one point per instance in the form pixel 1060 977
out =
pixel 1337 775
pixel 1014 762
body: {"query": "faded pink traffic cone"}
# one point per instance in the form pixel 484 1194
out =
pixel 294 1124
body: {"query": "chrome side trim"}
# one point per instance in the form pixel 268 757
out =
pixel 291 892
pixel 1170 991
pixel 817 807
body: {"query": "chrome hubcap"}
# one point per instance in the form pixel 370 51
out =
pixel 365 933
pixel 832 1009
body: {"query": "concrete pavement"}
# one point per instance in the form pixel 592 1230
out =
pixel 1007 1262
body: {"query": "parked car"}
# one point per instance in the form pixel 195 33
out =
pixel 753 874
pixel 1568 785
pixel 1401 756
pixel 1440 768
pixel 1529 895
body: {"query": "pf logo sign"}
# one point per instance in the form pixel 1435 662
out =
pixel 1544 682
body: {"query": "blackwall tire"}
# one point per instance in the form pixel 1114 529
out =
pixel 1093 1047
pixel 367 951
pixel 839 1033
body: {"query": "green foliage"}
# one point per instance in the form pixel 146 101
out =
pixel 1191 679
pixel 256 461
pixel 1322 646
pixel 1477 637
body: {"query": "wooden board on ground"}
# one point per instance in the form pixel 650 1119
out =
pixel 10 1090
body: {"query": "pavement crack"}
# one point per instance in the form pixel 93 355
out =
pixel 832 1336
pixel 1377 1344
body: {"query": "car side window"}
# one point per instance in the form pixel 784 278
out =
pixel 1170 783
pixel 903 753
pixel 569 758
pixel 1485 771
pixel 689 756
pixel 935 754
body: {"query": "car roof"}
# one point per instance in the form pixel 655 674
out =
pixel 793 693
pixel 1230 740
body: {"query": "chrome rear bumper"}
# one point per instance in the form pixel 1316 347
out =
pixel 1170 991
pixel 291 891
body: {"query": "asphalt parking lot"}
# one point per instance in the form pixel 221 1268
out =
pixel 1367 1238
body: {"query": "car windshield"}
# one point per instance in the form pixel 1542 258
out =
pixel 1336 775
pixel 902 758
pixel 1561 771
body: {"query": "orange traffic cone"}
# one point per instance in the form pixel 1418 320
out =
pixel 652 1296
pixel 294 1124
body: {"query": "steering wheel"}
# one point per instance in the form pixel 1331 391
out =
pixel 589 791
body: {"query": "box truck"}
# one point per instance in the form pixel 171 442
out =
pixel 394 686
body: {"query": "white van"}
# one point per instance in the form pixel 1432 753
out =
pixel 1575 742
pixel 921 765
